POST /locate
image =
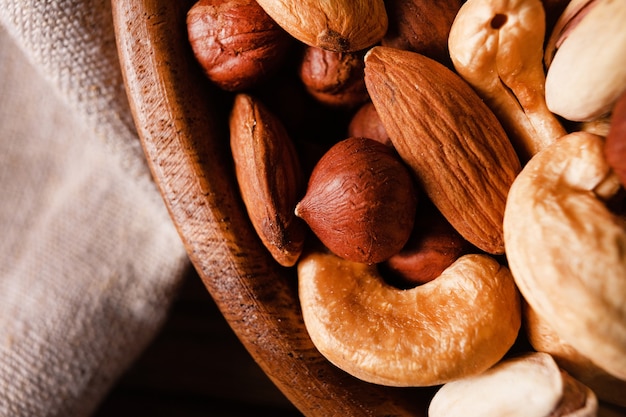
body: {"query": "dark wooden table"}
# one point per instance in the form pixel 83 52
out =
pixel 196 366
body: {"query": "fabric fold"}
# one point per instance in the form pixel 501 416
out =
pixel 89 259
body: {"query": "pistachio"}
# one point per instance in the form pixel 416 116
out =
pixel 528 385
pixel 588 72
pixel 569 17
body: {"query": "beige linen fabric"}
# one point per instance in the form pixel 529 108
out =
pixel 89 260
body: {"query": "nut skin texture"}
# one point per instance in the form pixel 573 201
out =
pixel 334 78
pixel 566 248
pixel 360 201
pixel 455 146
pixel 237 44
pixel 615 144
pixel 433 246
pixel 339 25
pixel 269 176
pixel 457 325
pixel 366 123
pixel 421 26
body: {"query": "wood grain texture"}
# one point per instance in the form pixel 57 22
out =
pixel 182 124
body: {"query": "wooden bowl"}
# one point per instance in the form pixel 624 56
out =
pixel 182 123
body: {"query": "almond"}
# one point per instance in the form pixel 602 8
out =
pixel 269 176
pixel 454 144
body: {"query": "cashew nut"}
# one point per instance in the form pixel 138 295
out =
pixel 497 47
pixel 567 251
pixel 457 325
pixel 527 385
pixel 544 339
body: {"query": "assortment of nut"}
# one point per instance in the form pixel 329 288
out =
pixel 453 180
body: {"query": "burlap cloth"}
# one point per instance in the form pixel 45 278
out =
pixel 89 259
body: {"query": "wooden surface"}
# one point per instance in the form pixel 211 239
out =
pixel 181 122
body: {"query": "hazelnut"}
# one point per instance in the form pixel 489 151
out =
pixel 366 123
pixel 334 78
pixel 421 26
pixel 360 201
pixel 433 246
pixel 236 42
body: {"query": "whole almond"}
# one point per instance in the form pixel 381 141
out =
pixel 454 144
pixel 340 25
pixel 269 177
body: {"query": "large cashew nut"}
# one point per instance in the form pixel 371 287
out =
pixel 567 251
pixel 457 325
pixel 497 47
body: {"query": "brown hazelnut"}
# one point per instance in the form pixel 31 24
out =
pixel 236 42
pixel 360 201
pixel 433 246
pixel 334 78
pixel 366 123
pixel 421 26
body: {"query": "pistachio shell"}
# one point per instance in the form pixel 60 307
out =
pixel 588 72
pixel 528 385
